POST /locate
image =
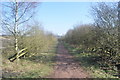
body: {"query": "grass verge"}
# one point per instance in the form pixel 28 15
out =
pixel 87 62
pixel 37 66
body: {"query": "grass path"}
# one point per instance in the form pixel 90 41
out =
pixel 66 67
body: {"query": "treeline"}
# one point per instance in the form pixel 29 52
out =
pixel 101 38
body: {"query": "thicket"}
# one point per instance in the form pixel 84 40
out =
pixel 100 38
pixel 32 42
pixel 37 40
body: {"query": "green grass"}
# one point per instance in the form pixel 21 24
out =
pixel 40 65
pixel 87 61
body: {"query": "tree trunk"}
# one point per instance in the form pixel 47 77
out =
pixel 16 45
pixel 16 30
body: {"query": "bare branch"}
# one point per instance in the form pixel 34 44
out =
pixel 26 20
pixel 7 6
pixel 23 13
pixel 6 24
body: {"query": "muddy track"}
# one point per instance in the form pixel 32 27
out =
pixel 66 67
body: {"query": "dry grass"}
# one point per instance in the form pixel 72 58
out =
pixel 36 66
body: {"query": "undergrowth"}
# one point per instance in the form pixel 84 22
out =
pixel 88 62
pixel 37 66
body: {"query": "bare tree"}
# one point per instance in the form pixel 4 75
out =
pixel 104 14
pixel 15 14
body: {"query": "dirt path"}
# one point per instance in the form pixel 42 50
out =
pixel 66 67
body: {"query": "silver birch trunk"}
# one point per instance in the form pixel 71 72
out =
pixel 16 29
